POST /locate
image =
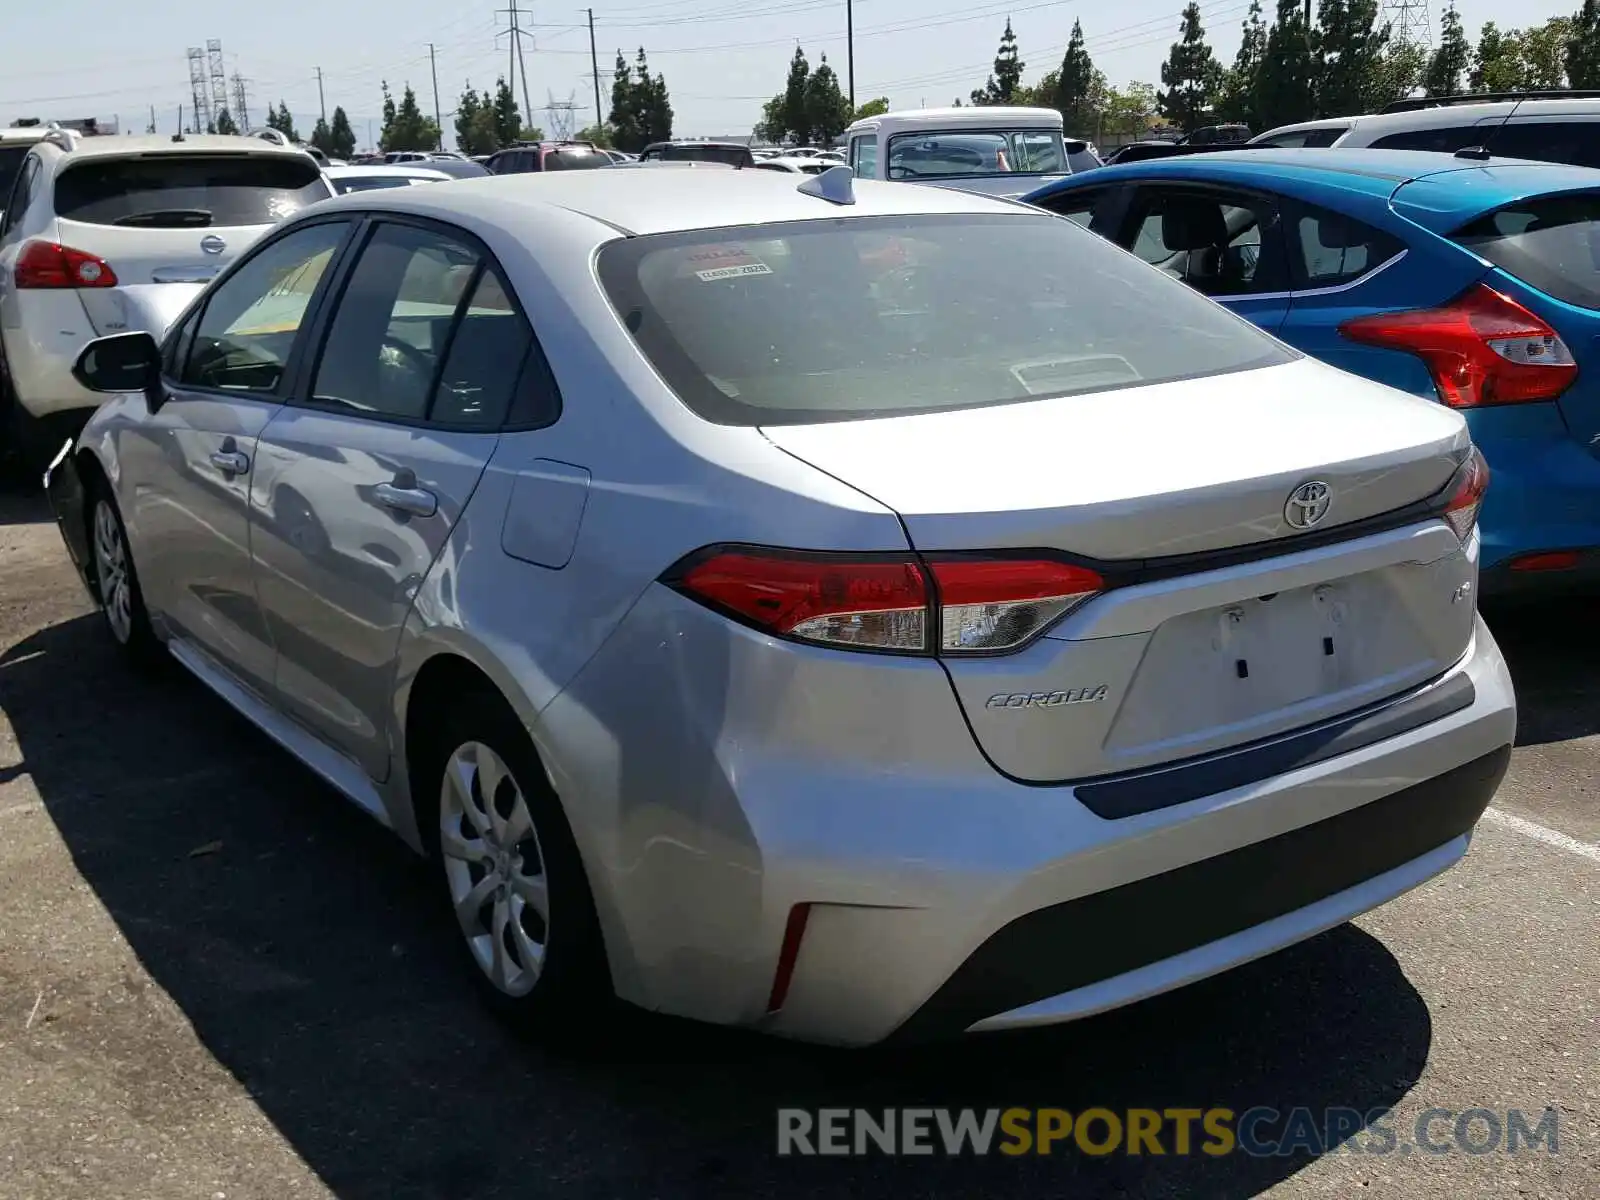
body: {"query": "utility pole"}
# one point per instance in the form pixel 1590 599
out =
pixel 180 122
pixel 153 118
pixel 438 120
pixel 850 48
pixel 516 40
pixel 322 104
pixel 594 65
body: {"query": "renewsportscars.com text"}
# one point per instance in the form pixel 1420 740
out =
pixel 1259 1132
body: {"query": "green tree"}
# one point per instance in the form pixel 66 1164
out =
pixel 279 119
pixel 468 106
pixel 1398 73
pixel 600 135
pixel 1544 53
pixel 872 108
pixel 1191 73
pixel 1497 62
pixel 827 108
pixel 507 116
pixel 1283 85
pixel 1583 48
pixel 1347 47
pixel 404 126
pixel 1079 87
pixel 1451 57
pixel 225 122
pixel 625 116
pixel 1003 85
pixel 322 137
pixel 1130 110
pixel 794 116
pixel 653 103
pixel 341 135
pixel 1237 99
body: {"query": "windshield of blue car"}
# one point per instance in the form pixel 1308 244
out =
pixel 851 318
pixel 977 152
pixel 1551 243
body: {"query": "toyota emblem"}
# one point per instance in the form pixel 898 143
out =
pixel 1308 504
pixel 212 244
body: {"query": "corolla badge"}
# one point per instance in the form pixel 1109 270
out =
pixel 1055 699
pixel 1308 504
pixel 212 244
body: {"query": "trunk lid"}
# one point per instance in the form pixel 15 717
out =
pixel 1189 657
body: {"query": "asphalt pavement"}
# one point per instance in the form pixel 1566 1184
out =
pixel 219 980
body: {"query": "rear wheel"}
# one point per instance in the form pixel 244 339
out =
pixel 118 582
pixel 512 876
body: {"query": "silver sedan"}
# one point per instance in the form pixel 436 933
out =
pixel 843 609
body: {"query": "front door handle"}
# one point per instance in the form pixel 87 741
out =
pixel 403 495
pixel 229 459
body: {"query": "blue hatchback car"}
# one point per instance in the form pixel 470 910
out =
pixel 1472 281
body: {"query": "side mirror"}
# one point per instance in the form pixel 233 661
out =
pixel 123 362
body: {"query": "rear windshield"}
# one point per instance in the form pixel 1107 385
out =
pixel 1080 158
pixel 10 163
pixel 1315 139
pixel 1552 244
pixel 733 156
pixel 370 183
pixel 988 152
pixel 574 158
pixel 849 318
pixel 188 191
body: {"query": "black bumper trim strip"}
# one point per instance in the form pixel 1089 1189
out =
pixel 1115 797
pixel 1071 945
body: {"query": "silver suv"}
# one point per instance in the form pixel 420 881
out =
pixel 108 235
pixel 1559 130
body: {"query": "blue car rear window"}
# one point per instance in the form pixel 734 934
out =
pixel 1551 243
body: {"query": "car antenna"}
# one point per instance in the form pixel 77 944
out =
pixel 836 185
pixel 1480 152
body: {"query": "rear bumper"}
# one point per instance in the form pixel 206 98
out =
pixel 41 350
pixel 729 780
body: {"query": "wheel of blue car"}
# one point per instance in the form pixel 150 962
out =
pixel 512 876
pixel 117 581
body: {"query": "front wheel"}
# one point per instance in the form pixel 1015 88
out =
pixel 118 582
pixel 513 878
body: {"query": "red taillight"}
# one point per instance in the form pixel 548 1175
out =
pixel 1466 497
pixel 973 605
pixel 1546 560
pixel 1481 348
pixel 43 264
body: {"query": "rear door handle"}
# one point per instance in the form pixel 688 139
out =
pixel 403 495
pixel 229 459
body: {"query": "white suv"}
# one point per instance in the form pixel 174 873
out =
pixel 1564 131
pixel 106 235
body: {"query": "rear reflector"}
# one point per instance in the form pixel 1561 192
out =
pixel 42 264
pixel 957 605
pixel 1466 498
pixel 1546 560
pixel 794 932
pixel 1482 348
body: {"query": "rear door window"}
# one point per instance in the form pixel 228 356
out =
pixel 1219 243
pixel 1574 142
pixel 178 191
pixel 1551 243
pixel 574 158
pixel 1329 249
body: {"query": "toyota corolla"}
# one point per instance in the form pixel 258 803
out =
pixel 844 609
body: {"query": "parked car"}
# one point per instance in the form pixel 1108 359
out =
pixel 361 179
pixel 452 168
pixel 523 157
pixel 1468 282
pixel 814 165
pixel 731 154
pixel 849 628
pixel 1563 130
pixel 14 144
pixel 111 234
pixel 997 151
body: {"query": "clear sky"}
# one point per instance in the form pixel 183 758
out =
pixel 721 58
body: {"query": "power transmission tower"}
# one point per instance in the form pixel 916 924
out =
pixel 219 77
pixel 515 34
pixel 563 116
pixel 1410 23
pixel 241 111
pixel 199 89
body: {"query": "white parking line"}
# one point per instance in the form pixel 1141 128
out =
pixel 1539 833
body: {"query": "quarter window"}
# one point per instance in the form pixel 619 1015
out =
pixel 864 156
pixel 1334 249
pixel 1573 142
pixel 251 321
pixel 1445 140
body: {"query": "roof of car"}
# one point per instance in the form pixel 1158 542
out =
pixel 25 133
pixel 985 116
pixel 1441 117
pixel 669 201
pixel 1457 188
pixel 403 170
pixel 202 143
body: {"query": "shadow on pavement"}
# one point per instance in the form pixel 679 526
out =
pixel 1555 665
pixel 304 948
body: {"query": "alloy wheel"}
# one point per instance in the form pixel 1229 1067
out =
pixel 495 868
pixel 111 571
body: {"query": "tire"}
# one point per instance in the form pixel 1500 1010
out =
pixel 532 941
pixel 117 581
